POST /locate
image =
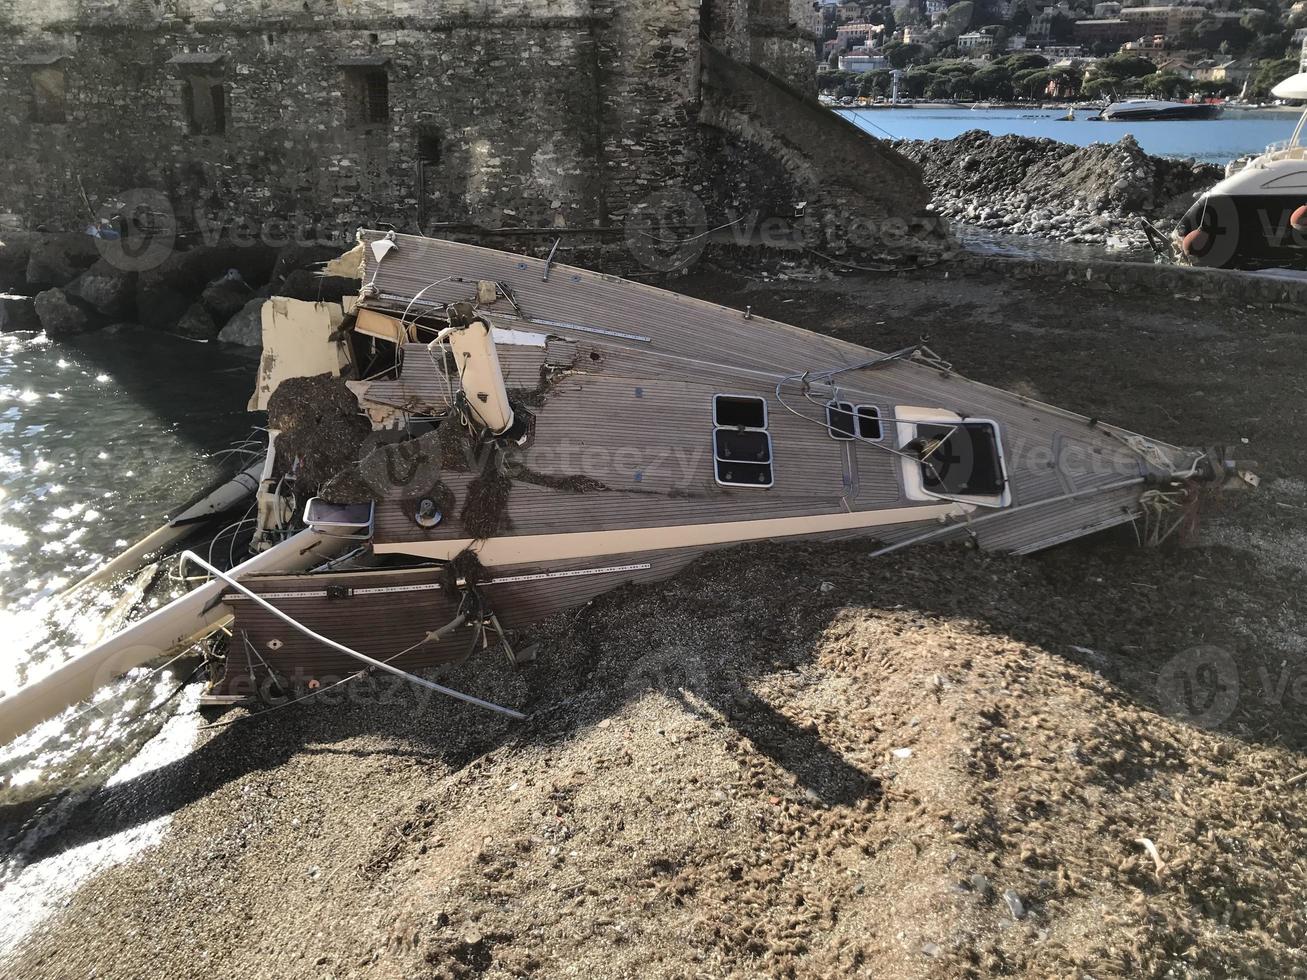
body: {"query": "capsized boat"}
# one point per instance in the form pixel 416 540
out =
pixel 1257 216
pixel 1148 110
pixel 479 440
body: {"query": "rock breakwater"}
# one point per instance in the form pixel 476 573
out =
pixel 1032 185
pixel 70 284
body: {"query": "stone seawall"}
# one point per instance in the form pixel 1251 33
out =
pixel 1161 281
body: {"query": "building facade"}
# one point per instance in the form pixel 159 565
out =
pixel 490 114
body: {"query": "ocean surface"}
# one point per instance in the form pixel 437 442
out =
pixel 101 436
pixel 1236 133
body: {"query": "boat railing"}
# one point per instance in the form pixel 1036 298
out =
pixel 1289 149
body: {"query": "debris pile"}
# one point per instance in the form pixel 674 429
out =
pixel 322 433
pixel 1094 194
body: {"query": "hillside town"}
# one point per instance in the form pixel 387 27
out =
pixel 965 50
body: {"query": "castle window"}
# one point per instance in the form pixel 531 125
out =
pixel 428 144
pixel 203 92
pixel 204 106
pixel 367 92
pixel 48 95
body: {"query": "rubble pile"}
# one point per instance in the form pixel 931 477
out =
pixel 1026 185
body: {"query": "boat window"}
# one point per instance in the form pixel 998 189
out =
pixel 960 459
pixel 739 412
pixel 869 422
pixel 741 444
pixel 839 420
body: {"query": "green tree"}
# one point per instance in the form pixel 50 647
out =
pixel 958 18
pixel 1099 88
pixel 1270 73
pixel 939 88
pixel 1022 62
pixel 994 81
pixel 1212 90
pixel 1124 66
pixel 1259 22
pixel 1165 85
pixel 917 80
pixel 1032 83
pixel 902 55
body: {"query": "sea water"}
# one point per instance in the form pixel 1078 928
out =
pixel 101 436
pixel 1236 133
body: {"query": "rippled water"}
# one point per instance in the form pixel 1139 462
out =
pixel 98 441
pixel 100 437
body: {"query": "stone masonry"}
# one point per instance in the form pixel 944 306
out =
pixel 428 114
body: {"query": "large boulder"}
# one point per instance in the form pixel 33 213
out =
pixel 226 296
pixel 18 313
pixel 196 323
pixel 60 316
pixel 246 327
pixel 165 293
pixel 109 290
pixel 298 256
pixel 159 304
pixel 56 260
pixel 314 288
pixel 15 253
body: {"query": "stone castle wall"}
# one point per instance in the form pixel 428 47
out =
pixel 416 113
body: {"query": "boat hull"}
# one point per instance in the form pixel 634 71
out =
pixel 1176 113
pixel 164 632
pixel 1247 232
pixel 1247 220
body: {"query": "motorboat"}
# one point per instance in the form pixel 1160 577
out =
pixel 1257 216
pixel 479 440
pixel 1142 110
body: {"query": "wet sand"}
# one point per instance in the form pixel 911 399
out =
pixel 796 761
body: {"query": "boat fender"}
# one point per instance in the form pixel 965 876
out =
pixel 1298 220
pixel 1196 244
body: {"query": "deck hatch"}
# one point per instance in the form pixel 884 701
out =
pixel 961 459
pixel 735 445
pixel 840 420
pixel 742 452
pixel 739 412
pixel 869 423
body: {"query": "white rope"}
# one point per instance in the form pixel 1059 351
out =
pixel 340 647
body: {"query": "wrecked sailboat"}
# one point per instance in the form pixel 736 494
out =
pixel 478 440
